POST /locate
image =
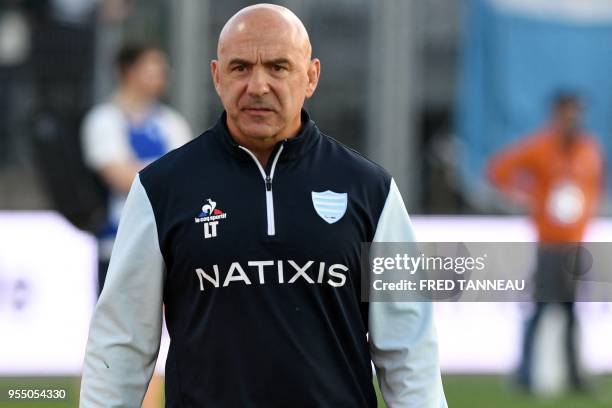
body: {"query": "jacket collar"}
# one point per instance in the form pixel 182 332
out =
pixel 294 147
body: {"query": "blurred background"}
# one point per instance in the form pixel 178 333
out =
pixel 430 89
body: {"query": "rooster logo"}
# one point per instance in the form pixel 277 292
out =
pixel 210 217
pixel 210 209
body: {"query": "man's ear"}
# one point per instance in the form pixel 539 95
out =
pixel 214 70
pixel 314 71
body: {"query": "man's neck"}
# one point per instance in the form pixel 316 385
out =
pixel 262 148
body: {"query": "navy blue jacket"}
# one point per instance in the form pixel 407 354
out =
pixel 259 273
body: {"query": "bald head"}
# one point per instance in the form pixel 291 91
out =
pixel 263 74
pixel 262 20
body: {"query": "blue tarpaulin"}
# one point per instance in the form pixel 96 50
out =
pixel 513 61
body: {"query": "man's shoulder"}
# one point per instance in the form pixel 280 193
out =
pixel 590 140
pixel 169 113
pixel 533 144
pixel 353 162
pixel 592 150
pixel 197 156
pixel 103 136
pixel 177 160
pixel 104 113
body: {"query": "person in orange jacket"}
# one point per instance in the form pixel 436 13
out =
pixel 557 174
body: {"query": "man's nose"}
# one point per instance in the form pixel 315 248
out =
pixel 258 82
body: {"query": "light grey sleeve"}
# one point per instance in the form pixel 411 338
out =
pixel 403 340
pixel 125 330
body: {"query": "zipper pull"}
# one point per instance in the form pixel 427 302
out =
pixel 268 183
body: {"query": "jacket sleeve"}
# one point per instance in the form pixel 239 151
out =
pixel 125 330
pixel 402 335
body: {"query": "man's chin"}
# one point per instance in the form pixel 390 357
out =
pixel 258 131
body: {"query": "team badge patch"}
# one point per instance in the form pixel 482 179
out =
pixel 210 216
pixel 329 205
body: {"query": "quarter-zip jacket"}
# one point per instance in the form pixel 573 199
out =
pixel 259 273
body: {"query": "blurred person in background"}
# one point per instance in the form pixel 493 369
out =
pixel 123 135
pixel 557 174
pixel 132 129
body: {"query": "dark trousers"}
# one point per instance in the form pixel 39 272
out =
pixel 555 284
pixel 525 371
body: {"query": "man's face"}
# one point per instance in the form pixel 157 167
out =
pixel 263 78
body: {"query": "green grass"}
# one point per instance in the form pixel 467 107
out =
pixel 479 391
pixel 462 391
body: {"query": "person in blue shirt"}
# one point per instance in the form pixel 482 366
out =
pixel 129 131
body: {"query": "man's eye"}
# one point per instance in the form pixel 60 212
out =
pixel 239 68
pixel 279 68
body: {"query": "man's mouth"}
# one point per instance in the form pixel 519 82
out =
pixel 258 110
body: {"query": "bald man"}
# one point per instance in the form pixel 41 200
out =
pixel 250 237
